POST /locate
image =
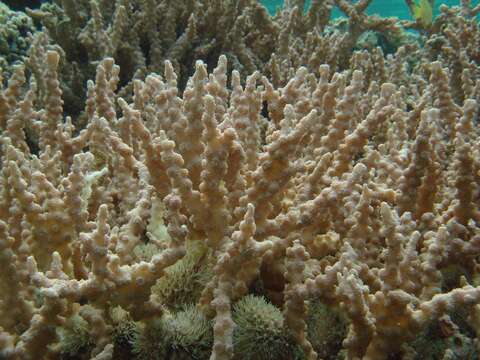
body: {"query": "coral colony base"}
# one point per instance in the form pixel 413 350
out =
pixel 230 185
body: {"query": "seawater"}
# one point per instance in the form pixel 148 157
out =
pixel 384 8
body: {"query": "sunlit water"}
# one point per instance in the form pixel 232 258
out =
pixel 385 8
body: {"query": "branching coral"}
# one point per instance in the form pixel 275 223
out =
pixel 141 35
pixel 353 190
pixel 14 39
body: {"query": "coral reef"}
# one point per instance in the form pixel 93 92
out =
pixel 141 35
pixel 315 202
pixel 14 41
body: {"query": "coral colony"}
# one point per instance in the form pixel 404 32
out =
pixel 199 179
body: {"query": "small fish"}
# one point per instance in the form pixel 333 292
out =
pixel 422 11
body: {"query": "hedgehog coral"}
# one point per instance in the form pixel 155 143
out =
pixel 259 332
pixel 327 328
pixel 185 334
pixel 74 338
pixel 184 281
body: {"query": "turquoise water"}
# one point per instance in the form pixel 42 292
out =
pixel 385 8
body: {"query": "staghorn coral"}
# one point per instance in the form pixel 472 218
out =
pixel 14 39
pixel 353 190
pixel 140 35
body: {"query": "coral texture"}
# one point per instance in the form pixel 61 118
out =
pixel 14 40
pixel 242 217
pixel 141 34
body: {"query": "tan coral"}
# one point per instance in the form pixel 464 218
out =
pixel 313 185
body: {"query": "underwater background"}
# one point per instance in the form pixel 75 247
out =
pixel 385 8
